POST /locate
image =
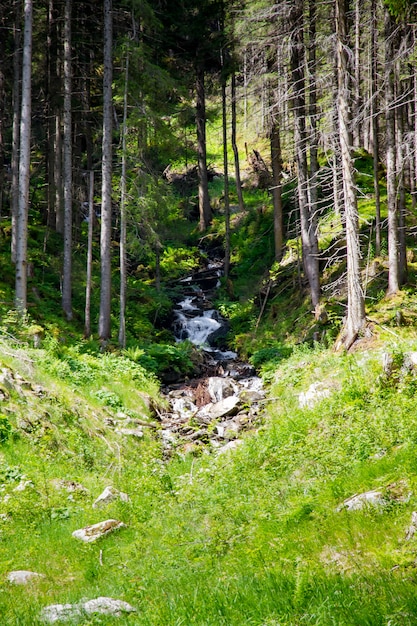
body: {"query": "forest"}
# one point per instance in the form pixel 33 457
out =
pixel 208 312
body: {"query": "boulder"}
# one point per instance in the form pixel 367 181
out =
pixel 23 577
pixel 363 500
pixel 109 495
pixel 216 410
pixel 96 531
pixel 70 612
pixel 221 388
pixel 130 432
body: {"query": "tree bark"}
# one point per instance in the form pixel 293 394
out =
pixel 104 327
pixel 88 281
pixel 375 125
pixel 355 321
pixel 308 227
pixel 203 194
pixel 67 169
pixel 393 265
pixel 24 163
pixel 239 191
pixel 276 163
pixel 226 184
pixel 16 125
pixel 123 270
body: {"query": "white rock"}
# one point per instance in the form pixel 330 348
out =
pixel 109 495
pixel 363 500
pixel 66 612
pixel 220 409
pixel 184 407
pixel 60 612
pixel 221 388
pixel 91 533
pixel 107 606
pixel 314 393
pixel 22 577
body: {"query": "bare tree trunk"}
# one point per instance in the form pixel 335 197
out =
pixel 123 271
pixel 355 321
pixel 393 265
pixel 313 113
pixel 357 127
pixel 67 169
pixel 24 164
pixel 234 146
pixel 104 327
pixel 308 227
pixel 87 320
pixel 226 184
pixel 16 124
pixel 203 195
pixel 401 205
pixel 375 125
pixel 276 163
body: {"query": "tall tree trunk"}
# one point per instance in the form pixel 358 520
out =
pixel 313 113
pixel 308 228
pixel 357 127
pixel 123 270
pixel 104 327
pixel 24 163
pixel 88 281
pixel 276 163
pixel 67 169
pixel 239 191
pixel 375 125
pixel 203 194
pixel 226 184
pixel 16 124
pixel 355 321
pixel 400 165
pixel 393 265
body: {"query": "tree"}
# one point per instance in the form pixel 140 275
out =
pixel 67 169
pixel 307 218
pixel 355 320
pixel 24 163
pixel 104 327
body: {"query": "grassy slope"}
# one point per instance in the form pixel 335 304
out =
pixel 253 537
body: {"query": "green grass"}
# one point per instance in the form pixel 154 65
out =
pixel 253 537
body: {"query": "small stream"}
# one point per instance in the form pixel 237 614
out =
pixel 210 411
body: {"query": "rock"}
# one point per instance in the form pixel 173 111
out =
pixel 109 495
pixel 250 396
pixel 387 364
pixel 314 394
pixel 363 500
pixel 107 606
pixel 23 577
pixel 91 533
pixel 104 606
pixel 221 388
pixel 60 613
pixel 216 410
pixel 184 407
pixel 130 432
pixel 413 526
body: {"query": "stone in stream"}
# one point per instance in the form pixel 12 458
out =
pixel 91 533
pixel 221 388
pixel 216 410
